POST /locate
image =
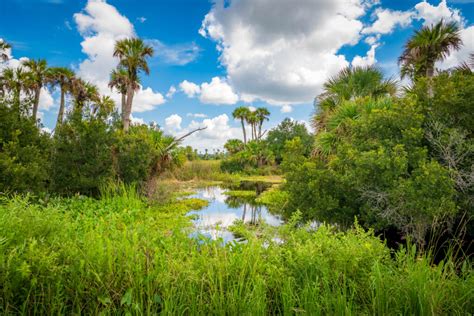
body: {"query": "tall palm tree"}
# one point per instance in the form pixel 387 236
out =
pixel 39 75
pixel 132 54
pixel 119 81
pixel 3 50
pixel 63 77
pixel 262 115
pixel 427 46
pixel 241 113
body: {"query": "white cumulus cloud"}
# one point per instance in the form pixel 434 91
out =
pixel 387 20
pixel 173 122
pixel 432 14
pixel 218 91
pixel 189 88
pixel 279 51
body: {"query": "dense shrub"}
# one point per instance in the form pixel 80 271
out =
pixel 375 167
pixel 24 152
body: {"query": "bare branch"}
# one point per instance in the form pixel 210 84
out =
pixel 178 140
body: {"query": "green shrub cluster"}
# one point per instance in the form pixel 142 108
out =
pixel 391 162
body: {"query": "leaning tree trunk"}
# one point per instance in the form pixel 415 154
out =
pixel 128 109
pixel 36 103
pixel 243 130
pixel 61 109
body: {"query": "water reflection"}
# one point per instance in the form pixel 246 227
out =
pixel 223 210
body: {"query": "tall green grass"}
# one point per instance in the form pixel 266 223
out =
pixel 120 255
pixel 198 170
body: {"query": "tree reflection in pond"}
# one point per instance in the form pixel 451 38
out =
pixel 223 210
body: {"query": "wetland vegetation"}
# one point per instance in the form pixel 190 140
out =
pixel 371 214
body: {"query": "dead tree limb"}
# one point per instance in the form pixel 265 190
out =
pixel 178 140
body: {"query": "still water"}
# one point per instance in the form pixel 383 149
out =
pixel 223 210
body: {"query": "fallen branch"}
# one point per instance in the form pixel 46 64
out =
pixel 178 140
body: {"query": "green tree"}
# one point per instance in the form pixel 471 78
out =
pixel 377 163
pixel 287 130
pixel 242 113
pixel 132 54
pixel 233 146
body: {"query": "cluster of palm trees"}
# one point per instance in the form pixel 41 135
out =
pixel 31 76
pixel 255 120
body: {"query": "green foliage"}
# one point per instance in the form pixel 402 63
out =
pixel 234 146
pixel 375 167
pixel 82 157
pixel 118 255
pixel 287 130
pixel 24 152
pixel 255 156
pixel 453 98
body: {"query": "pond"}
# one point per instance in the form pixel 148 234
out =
pixel 223 210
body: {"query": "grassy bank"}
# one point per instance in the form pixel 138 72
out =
pixel 121 254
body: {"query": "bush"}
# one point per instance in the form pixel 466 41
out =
pixel 377 169
pixel 24 152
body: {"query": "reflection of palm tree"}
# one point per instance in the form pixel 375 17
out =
pixel 244 213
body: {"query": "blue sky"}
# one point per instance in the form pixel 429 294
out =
pixel 212 56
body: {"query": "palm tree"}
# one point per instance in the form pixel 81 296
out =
pixel 262 115
pixel 39 75
pixel 132 54
pixel 83 92
pixel 253 120
pixel 241 113
pixel 119 80
pixel 103 107
pixel 3 48
pixel 15 80
pixel 63 77
pixel 349 84
pixel 355 82
pixel 427 46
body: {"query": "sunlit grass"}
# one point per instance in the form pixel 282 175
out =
pixel 120 254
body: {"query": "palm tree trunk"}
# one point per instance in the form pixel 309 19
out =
pixel 124 103
pixel 36 102
pixel 243 130
pixel 61 108
pixel 260 129
pixel 429 75
pixel 128 109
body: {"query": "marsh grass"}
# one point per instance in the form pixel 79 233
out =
pixel 121 255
